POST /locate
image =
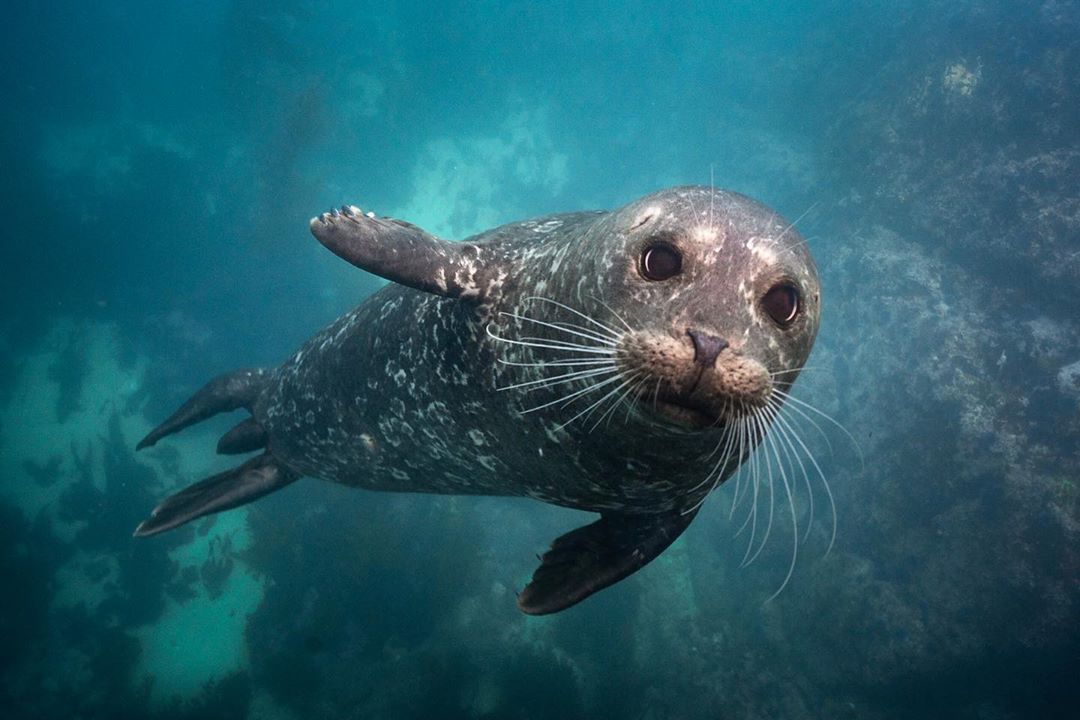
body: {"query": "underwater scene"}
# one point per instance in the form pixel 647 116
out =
pixel 904 542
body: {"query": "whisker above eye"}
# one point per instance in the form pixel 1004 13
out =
pixel 792 225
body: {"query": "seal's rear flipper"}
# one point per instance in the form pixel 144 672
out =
pixel 247 436
pixel 224 393
pixel 257 477
pixel 593 557
pixel 406 254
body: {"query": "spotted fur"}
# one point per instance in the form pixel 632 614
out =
pixel 408 391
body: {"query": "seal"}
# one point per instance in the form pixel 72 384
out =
pixel 622 362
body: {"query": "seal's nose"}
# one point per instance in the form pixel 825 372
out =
pixel 706 347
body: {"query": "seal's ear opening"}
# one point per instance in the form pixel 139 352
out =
pixel 402 252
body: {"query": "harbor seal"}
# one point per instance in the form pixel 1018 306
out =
pixel 621 362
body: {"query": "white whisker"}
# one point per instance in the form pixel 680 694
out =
pixel 629 385
pixel 778 373
pixel 718 473
pixel 792 225
pixel 565 344
pixel 738 475
pixel 824 481
pixel 693 208
pixel 635 397
pixel 762 429
pixel 613 312
pixel 724 416
pixel 752 488
pixel 587 411
pixel 615 334
pixel 811 408
pixel 773 446
pixel 712 195
pixel 570 362
pixel 572 396
pixel 771 441
pixel 750 476
pixel 782 432
pixel 717 469
pixel 588 335
pixel 545 345
pixel 559 379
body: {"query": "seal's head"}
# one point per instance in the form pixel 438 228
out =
pixel 716 299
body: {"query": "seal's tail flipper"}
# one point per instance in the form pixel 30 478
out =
pixel 224 393
pixel 593 557
pixel 257 477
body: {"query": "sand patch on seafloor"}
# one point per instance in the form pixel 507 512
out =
pixel 201 639
pixel 44 452
pixel 33 434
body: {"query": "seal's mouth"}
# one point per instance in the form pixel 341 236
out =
pixel 684 413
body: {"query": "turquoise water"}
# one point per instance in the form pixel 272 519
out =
pixel 160 164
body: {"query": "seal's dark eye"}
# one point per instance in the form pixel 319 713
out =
pixel 660 262
pixel 782 304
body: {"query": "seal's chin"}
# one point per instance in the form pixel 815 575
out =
pixel 684 415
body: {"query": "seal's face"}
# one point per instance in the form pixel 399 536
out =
pixel 718 299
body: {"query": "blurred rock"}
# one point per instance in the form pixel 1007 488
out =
pixel 1069 379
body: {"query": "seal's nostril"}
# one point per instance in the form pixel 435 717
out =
pixel 706 347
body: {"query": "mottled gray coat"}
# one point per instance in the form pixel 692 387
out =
pixel 449 379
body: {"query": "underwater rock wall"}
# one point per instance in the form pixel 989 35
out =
pixel 954 262
pixel 970 142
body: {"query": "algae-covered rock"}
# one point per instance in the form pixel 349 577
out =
pixel 1068 379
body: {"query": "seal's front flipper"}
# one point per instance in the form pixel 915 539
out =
pixel 402 252
pixel 257 477
pixel 596 556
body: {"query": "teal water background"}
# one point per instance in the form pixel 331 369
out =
pixel 159 164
